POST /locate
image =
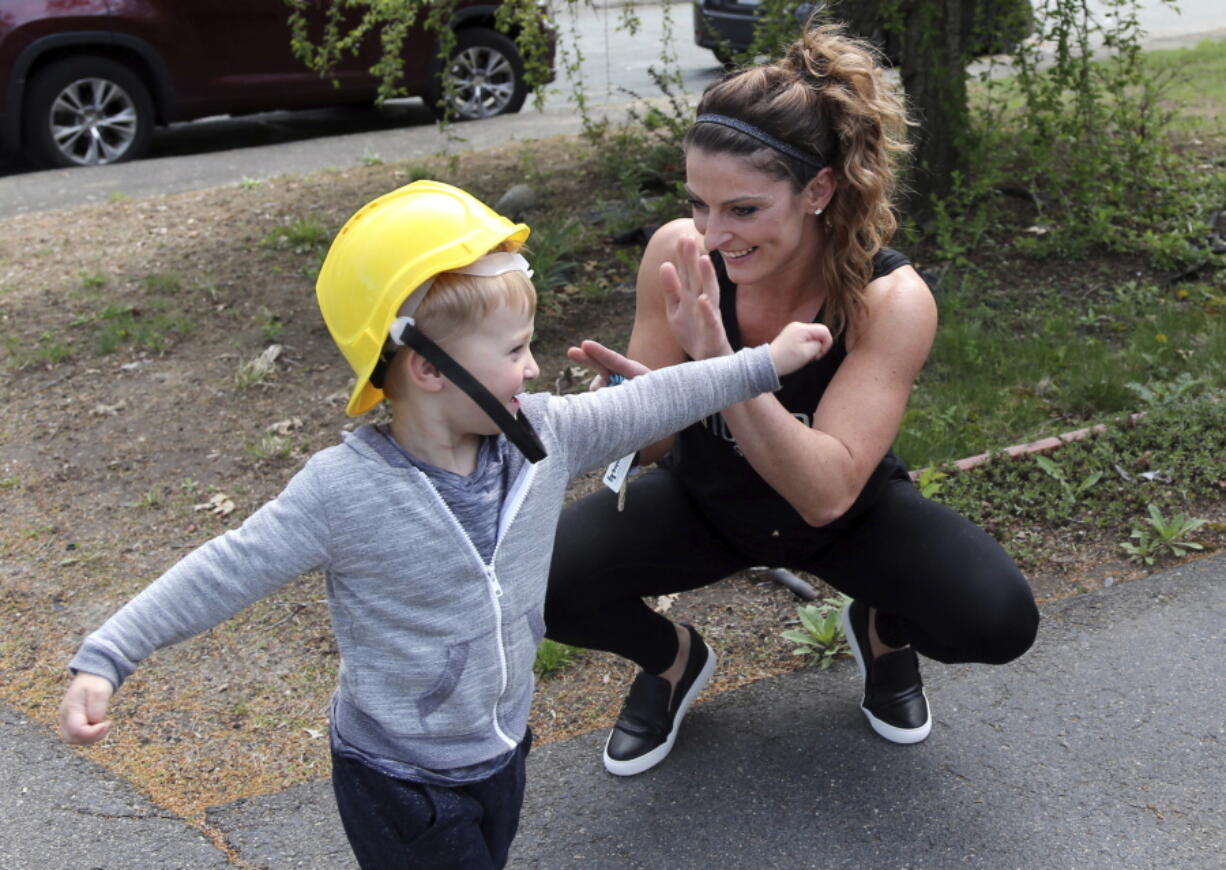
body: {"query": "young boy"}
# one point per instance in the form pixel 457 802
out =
pixel 434 532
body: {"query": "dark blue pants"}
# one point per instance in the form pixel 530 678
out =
pixel 393 823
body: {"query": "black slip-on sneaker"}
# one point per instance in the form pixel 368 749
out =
pixel 648 724
pixel 894 699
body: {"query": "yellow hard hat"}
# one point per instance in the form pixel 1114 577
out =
pixel 386 251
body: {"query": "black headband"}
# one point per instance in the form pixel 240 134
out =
pixel 806 157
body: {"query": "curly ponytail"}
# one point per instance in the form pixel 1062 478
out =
pixel 829 96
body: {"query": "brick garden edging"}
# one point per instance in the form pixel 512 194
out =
pixel 1042 445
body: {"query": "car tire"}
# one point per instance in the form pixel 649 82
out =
pixel 85 111
pixel 489 77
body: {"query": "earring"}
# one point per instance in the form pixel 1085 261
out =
pixel 817 211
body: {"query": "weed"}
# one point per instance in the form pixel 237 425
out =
pixel 420 173
pixel 1155 536
pixel 821 639
pixel 929 481
pixel 1167 392
pixel 148 500
pixel 249 183
pixel 552 249
pixel 163 282
pixel 92 280
pixel 303 236
pixel 9 482
pixel 48 349
pixel 119 196
pixel 122 324
pixel 552 657
pixel 372 160
pixel 269 445
pixel 270 324
pixel 1071 491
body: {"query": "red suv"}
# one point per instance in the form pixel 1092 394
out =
pixel 85 81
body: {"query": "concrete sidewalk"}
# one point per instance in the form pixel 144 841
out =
pixel 1102 748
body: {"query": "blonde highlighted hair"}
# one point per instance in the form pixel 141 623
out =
pixel 827 96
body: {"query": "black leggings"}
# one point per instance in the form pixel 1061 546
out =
pixel 938 581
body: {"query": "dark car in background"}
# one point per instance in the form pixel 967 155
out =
pixel 86 81
pixel 727 26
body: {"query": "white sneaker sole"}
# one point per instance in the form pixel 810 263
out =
pixel 648 760
pixel 892 733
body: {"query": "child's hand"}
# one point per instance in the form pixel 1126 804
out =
pixel 83 711
pixel 798 344
pixel 691 299
pixel 595 355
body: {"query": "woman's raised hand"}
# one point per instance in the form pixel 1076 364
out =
pixel 798 344
pixel 691 301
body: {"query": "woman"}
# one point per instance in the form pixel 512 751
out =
pixel 790 168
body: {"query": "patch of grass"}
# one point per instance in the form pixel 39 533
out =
pixel 120 324
pixel 48 349
pixel 1169 458
pixel 1007 364
pixel 552 657
pixel 270 324
pixel 92 280
pixel 268 445
pixel 303 236
pixel 163 282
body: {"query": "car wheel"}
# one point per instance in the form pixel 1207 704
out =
pixel 488 78
pixel 85 111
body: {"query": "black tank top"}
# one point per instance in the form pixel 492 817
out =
pixel 727 490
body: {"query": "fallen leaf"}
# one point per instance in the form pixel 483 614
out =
pixel 219 504
pixel 108 410
pixel 284 427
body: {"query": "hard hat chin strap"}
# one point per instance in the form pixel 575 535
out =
pixel 517 428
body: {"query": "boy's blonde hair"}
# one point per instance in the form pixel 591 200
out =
pixel 456 303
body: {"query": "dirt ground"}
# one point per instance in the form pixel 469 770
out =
pixel 114 464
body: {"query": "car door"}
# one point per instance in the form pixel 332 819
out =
pixel 234 56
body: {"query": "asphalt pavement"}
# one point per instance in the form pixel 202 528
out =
pixel 1101 748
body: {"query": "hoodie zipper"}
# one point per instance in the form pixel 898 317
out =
pixel 519 490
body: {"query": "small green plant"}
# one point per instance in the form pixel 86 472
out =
pixel 270 445
pixel 821 639
pixel 929 481
pixel 1167 392
pixel 552 656
pixel 372 160
pixel 148 500
pixel 1071 491
pixel 163 282
pixel 92 280
pixel 270 324
pixel 303 236
pixel 256 372
pixel 249 183
pixel 1156 536
pixel 119 196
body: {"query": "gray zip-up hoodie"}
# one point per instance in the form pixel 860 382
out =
pixel 436 645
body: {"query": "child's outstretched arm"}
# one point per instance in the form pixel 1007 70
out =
pixel 83 711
